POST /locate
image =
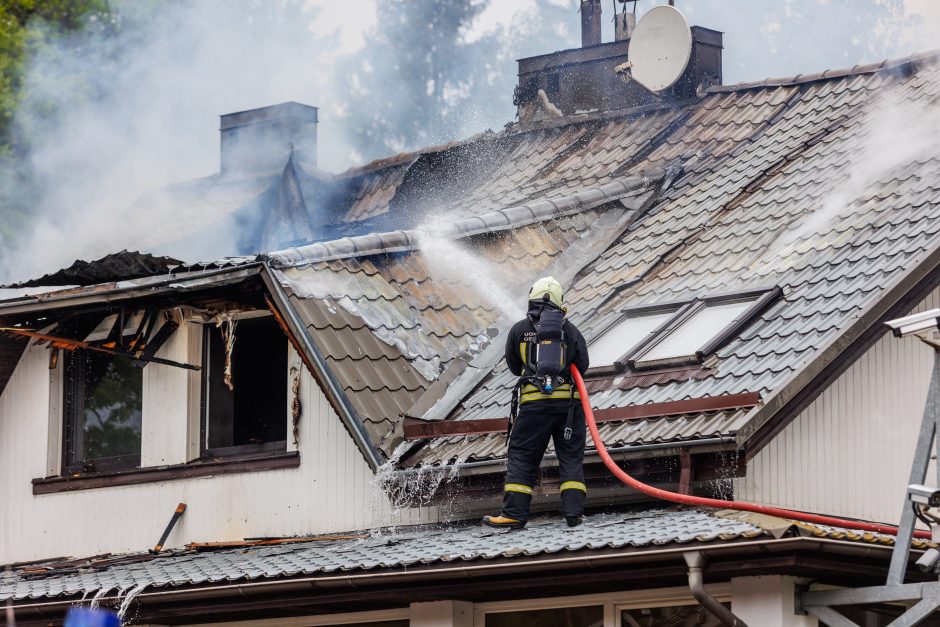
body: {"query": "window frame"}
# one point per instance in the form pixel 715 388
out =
pixel 619 364
pixel 631 360
pixel 72 388
pixel 242 451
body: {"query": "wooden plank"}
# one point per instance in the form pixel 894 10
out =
pixel 49 485
pixel 416 429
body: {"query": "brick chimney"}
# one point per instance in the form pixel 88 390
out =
pixel 259 141
pixel 590 23
pixel 584 79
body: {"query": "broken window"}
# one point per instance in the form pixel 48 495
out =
pixel 103 403
pixel 104 357
pixel 244 387
pixel 676 334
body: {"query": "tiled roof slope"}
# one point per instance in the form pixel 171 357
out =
pixel 761 166
pixel 462 543
pixel 389 326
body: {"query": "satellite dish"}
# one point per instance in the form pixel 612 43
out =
pixel 660 48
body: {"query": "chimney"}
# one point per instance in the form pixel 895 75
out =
pixel 624 23
pixel 590 23
pixel 583 80
pixel 259 141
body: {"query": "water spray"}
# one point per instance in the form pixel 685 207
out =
pixel 700 501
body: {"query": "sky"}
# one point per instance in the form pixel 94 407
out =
pixel 762 39
pixel 139 111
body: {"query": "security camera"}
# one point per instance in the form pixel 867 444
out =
pixel 915 322
pixel 928 561
pixel 924 495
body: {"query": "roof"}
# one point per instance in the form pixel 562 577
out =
pixel 757 161
pixel 114 267
pixel 405 548
pixel 731 192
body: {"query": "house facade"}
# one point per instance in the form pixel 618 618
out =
pixel 332 411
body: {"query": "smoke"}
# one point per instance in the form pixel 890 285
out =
pixel 132 106
pixel 895 132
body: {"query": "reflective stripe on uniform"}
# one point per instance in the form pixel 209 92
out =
pixel 532 393
pixel 524 352
pixel 517 487
pixel 572 485
pixel 528 388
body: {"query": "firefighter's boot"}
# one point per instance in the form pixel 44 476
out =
pixel 503 522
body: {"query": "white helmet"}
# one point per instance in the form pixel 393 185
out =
pixel 547 288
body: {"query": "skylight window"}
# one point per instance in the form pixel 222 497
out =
pixel 624 336
pixel 690 336
pixel 681 334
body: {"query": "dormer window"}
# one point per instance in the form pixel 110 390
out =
pixel 675 334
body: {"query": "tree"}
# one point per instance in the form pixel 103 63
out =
pixel 404 89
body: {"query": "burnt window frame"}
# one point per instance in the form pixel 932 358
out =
pixel 72 388
pixel 631 360
pixel 277 447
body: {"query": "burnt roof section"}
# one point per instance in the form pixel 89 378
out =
pixel 114 267
pixel 390 313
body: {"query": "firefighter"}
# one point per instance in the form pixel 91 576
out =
pixel 544 406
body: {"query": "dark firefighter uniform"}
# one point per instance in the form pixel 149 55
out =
pixel 543 416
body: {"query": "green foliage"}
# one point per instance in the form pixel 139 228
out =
pixel 26 28
pixel 26 25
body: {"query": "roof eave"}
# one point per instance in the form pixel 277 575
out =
pixel 128 290
pixel 253 592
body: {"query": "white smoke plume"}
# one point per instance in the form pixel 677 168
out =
pixel 139 110
pixel 895 132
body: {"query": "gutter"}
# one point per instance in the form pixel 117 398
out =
pixel 696 562
pixel 322 372
pixel 498 465
pixel 435 574
pixel 495 221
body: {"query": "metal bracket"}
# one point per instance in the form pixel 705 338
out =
pixel 820 603
pixel 926 596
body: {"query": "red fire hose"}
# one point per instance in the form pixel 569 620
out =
pixel 687 499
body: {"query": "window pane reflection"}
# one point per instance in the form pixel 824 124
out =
pixel 591 616
pixel 679 616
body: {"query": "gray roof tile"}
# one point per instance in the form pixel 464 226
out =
pixel 395 549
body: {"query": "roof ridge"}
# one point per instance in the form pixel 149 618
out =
pixel 855 70
pixel 491 222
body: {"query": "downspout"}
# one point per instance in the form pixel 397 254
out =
pixel 334 392
pixel 696 562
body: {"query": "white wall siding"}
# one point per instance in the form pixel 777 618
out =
pixel 850 451
pixel 331 491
